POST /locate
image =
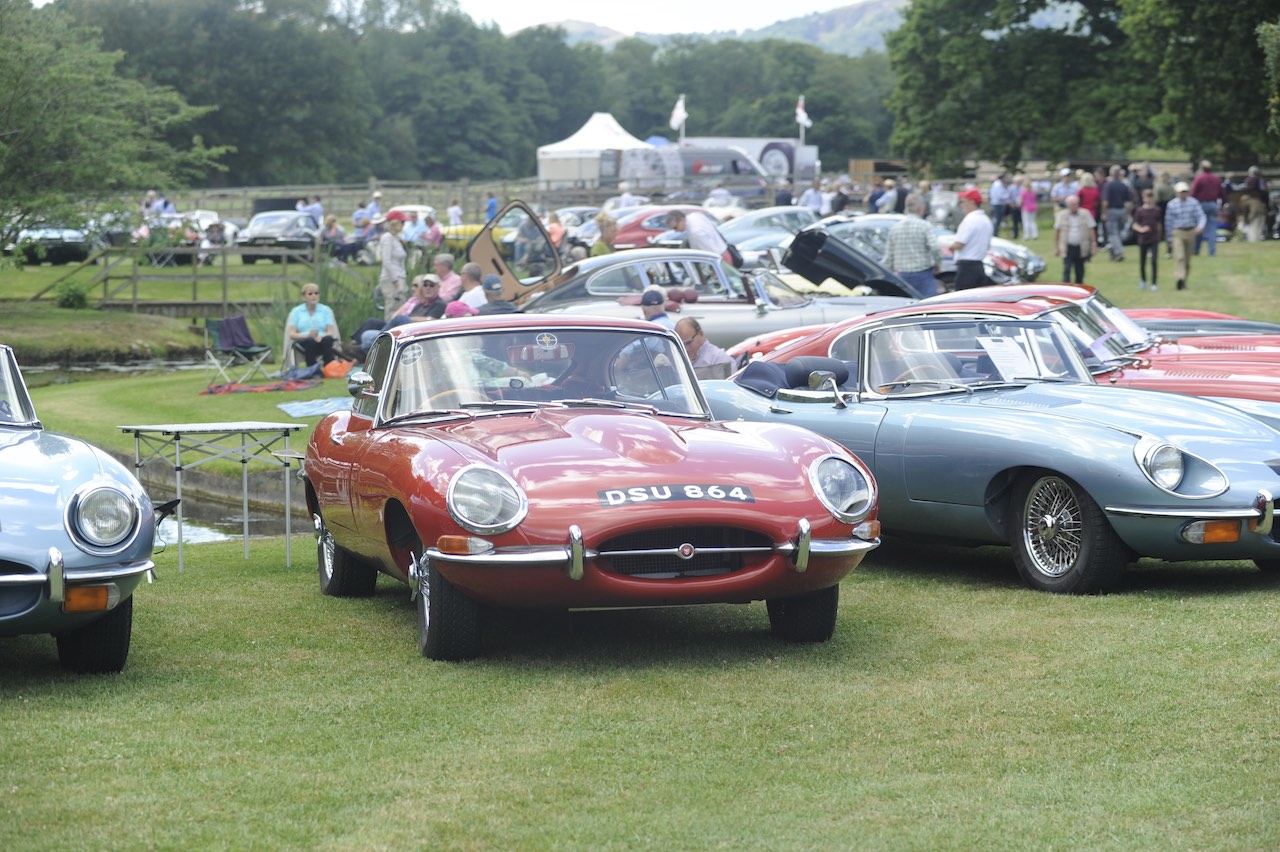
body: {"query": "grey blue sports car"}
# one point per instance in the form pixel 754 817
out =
pixel 76 532
pixel 990 431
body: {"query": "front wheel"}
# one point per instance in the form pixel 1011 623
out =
pixel 341 574
pixel 807 618
pixel 101 646
pixel 448 620
pixel 1061 540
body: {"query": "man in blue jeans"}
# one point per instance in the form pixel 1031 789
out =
pixel 1117 204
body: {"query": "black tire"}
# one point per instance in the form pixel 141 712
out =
pixel 449 623
pixel 778 159
pixel 102 645
pixel 248 259
pixel 807 618
pixel 1061 540
pixel 341 574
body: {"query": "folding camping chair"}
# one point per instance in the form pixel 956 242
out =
pixel 229 346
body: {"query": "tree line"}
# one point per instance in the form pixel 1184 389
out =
pixel 99 97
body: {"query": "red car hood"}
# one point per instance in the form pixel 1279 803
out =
pixel 574 460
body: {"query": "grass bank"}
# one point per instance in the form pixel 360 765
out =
pixel 953 709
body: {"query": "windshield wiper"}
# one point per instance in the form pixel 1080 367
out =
pixel 947 383
pixel 511 403
pixel 592 402
pixel 426 412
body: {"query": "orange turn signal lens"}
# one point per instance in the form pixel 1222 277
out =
pixel 462 545
pixel 1212 532
pixel 87 599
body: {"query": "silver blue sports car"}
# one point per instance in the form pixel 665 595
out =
pixel 991 431
pixel 76 533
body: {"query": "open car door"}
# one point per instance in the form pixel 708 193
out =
pixel 515 247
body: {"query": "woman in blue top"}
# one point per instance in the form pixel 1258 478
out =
pixel 312 327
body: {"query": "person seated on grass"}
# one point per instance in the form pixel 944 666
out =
pixel 312 327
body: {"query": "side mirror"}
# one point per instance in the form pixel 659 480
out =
pixel 825 380
pixel 360 385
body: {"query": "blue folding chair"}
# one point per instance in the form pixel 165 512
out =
pixel 231 349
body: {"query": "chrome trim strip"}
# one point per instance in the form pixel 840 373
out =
pixel 59 577
pixel 510 558
pixel 115 572
pixel 1205 514
pixel 675 551
pixel 841 547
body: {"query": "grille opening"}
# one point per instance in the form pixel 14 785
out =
pixel 737 548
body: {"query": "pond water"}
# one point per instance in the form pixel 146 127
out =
pixel 207 520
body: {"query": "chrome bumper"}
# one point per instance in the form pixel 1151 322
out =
pixel 574 555
pixel 57 575
pixel 1260 516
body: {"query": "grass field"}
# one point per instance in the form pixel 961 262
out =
pixel 953 709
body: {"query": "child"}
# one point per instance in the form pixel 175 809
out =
pixel 1148 224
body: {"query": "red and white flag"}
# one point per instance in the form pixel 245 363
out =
pixel 802 117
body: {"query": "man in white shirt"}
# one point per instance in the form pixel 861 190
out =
pixel 973 240
pixel 472 291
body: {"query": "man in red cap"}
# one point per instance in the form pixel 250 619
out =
pixel 973 239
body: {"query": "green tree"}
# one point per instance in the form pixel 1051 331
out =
pixel 1207 64
pixel 286 90
pixel 1269 38
pixel 75 134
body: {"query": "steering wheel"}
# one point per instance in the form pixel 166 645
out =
pixel 923 372
pixel 454 396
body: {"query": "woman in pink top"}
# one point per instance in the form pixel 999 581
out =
pixel 1030 230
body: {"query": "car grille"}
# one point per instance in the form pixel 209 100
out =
pixel 683 552
pixel 18 599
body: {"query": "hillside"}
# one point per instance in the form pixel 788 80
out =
pixel 850 30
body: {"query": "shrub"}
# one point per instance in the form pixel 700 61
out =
pixel 72 295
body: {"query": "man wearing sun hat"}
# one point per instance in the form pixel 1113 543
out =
pixel 1184 220
pixel 973 239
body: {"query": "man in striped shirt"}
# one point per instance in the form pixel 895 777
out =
pixel 1184 220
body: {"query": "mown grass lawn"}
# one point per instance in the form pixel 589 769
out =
pixel 953 709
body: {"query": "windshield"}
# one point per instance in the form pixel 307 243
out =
pixel 15 404
pixel 1108 315
pixel 1097 342
pixel 944 356
pixel 502 369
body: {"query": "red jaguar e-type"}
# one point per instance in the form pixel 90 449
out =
pixel 572 462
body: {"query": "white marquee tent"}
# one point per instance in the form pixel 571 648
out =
pixel 589 157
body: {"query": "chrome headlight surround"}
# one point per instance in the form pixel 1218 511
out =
pixel 843 488
pixel 102 519
pixel 1178 472
pixel 486 501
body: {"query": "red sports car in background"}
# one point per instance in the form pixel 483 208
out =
pixel 572 462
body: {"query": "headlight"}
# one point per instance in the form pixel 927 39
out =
pixel 842 488
pixel 1164 465
pixel 102 517
pixel 486 501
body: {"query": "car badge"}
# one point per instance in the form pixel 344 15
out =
pixel 686 551
pixel 546 340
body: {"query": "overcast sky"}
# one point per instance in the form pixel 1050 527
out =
pixel 650 16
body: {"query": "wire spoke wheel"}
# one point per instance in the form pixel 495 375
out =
pixel 1062 541
pixel 1053 526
